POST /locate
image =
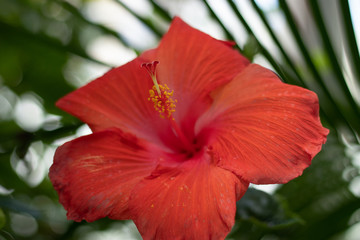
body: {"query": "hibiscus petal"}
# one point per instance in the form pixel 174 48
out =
pixel 117 99
pixel 264 130
pixel 194 201
pixel 192 64
pixel 95 174
pixel 192 61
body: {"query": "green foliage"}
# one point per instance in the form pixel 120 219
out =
pixel 264 210
pixel 39 38
pixel 2 219
pixel 251 48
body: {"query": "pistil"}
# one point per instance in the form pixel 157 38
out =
pixel 151 69
pixel 162 97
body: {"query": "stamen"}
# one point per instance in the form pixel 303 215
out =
pixel 163 102
pixel 162 97
pixel 160 94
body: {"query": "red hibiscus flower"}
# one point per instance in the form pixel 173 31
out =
pixel 178 135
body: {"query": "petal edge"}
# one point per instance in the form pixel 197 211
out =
pixel 265 131
pixel 95 174
pixel 201 198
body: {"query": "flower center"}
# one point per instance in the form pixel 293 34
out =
pixel 164 103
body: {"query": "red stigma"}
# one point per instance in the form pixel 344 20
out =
pixel 150 67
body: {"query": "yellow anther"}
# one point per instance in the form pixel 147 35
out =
pixel 163 102
pixel 159 94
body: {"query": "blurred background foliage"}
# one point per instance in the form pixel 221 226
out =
pixel 50 47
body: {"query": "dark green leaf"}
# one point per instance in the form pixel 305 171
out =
pixel 147 22
pixel 228 34
pixel 354 118
pixel 350 36
pixel 2 219
pixel 334 109
pixel 264 210
pixel 251 48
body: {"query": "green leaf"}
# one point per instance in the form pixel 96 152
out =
pixel 264 210
pixel 354 108
pixel 350 37
pixel 228 34
pixel 18 206
pixel 321 196
pixel 146 22
pixel 76 13
pixel 160 11
pixel 2 219
pixel 251 48
pixel 290 63
pixel 333 109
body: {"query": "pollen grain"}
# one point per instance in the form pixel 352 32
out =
pixel 163 100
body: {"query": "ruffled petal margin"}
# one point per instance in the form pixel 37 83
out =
pixel 95 174
pixel 194 201
pixel 117 99
pixel 264 130
pixel 192 61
